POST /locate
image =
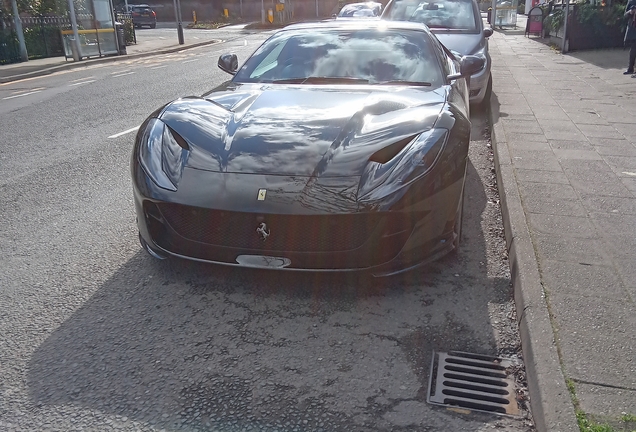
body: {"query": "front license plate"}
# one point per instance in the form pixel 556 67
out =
pixel 262 261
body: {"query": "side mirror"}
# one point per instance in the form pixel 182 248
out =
pixel 468 65
pixel 488 32
pixel 228 63
pixel 471 64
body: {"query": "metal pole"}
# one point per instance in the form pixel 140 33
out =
pixel 177 17
pixel 493 14
pixel 24 56
pixel 262 12
pixel 564 48
pixel 241 8
pixel 317 15
pixel 77 52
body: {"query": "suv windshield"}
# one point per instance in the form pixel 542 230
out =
pixel 344 56
pixel 436 14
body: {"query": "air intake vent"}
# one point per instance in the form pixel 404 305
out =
pixel 473 381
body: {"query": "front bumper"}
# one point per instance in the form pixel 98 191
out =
pixel 381 242
pixel 479 83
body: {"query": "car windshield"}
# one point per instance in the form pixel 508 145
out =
pixel 333 56
pixel 436 14
pixel 359 10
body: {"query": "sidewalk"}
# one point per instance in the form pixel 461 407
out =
pixel 147 44
pixel 564 135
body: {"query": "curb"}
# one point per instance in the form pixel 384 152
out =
pixel 550 401
pixel 111 59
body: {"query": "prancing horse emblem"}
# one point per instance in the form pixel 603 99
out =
pixel 263 231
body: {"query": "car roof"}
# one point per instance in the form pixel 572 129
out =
pixel 359 24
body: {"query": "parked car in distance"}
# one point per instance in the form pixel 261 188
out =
pixel 360 10
pixel 143 15
pixel 337 146
pixel 459 26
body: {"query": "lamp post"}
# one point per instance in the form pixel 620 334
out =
pixel 262 12
pixel 564 47
pixel 24 56
pixel 75 45
pixel 177 17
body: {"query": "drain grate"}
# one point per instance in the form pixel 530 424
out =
pixel 473 381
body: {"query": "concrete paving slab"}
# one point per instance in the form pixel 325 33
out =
pixel 550 190
pixel 614 223
pixel 569 154
pixel 600 185
pixel 571 145
pixel 520 145
pixel 620 246
pixel 619 148
pixel 630 184
pixel 597 339
pixel 583 279
pixel 556 224
pixel 554 206
pixel 540 176
pixel 536 160
pixel 565 248
pixel 600 131
pixel 603 204
pixel 606 401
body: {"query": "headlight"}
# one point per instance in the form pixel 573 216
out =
pixel 162 154
pixel 482 54
pixel 411 163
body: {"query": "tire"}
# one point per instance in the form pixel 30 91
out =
pixel 486 101
pixel 153 25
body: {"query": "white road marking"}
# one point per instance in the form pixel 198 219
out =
pixel 159 67
pixel 123 74
pixel 82 79
pixel 629 173
pixel 80 83
pixel 117 135
pixel 190 61
pixel 27 90
pixel 23 94
pixel 244 42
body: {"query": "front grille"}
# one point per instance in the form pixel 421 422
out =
pixel 292 233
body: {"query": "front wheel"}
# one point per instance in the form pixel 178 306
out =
pixel 486 101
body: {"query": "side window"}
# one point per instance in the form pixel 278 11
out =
pixel 269 62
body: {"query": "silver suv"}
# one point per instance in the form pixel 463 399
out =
pixel 458 25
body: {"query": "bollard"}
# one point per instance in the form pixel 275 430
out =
pixel 194 16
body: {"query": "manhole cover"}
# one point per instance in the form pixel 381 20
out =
pixel 473 381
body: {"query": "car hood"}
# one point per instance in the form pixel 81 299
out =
pixel 463 43
pixel 299 130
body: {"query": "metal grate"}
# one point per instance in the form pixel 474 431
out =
pixel 473 381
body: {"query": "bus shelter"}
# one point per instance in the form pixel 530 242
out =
pixel 506 13
pixel 96 31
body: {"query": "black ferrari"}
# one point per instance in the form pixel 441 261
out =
pixel 335 147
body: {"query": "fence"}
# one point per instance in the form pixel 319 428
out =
pixel 42 36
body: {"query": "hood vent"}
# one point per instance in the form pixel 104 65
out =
pixel 472 381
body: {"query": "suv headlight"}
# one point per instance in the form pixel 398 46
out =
pixel 162 153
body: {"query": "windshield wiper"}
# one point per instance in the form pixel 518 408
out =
pixel 322 80
pixel 406 83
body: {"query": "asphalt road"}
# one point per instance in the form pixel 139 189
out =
pixel 97 335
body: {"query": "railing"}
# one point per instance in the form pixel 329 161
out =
pixel 41 36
